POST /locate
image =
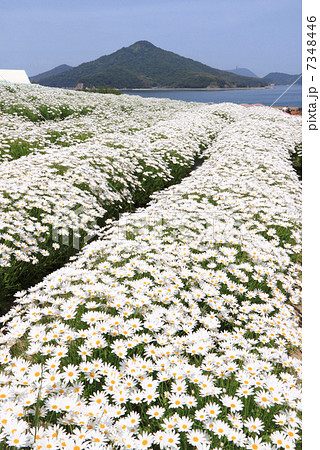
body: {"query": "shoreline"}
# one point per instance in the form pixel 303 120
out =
pixel 194 89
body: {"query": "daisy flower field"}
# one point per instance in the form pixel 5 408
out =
pixel 178 326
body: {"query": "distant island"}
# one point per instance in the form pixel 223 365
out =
pixel 276 78
pixel 56 70
pixel 279 78
pixel 143 65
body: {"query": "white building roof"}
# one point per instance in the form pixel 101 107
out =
pixel 14 76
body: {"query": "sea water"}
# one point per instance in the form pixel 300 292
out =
pixel 276 96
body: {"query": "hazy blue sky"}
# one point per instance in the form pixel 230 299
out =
pixel 262 35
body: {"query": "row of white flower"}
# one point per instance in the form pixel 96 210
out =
pixel 175 329
pixel 106 114
pixel 56 188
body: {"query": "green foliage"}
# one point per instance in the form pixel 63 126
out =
pixel 296 159
pixel 19 148
pixel 42 112
pixel 23 274
pixel 103 90
pixel 61 170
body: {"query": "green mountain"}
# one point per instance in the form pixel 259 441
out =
pixel 143 65
pixel 281 78
pixel 59 69
pixel 244 72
